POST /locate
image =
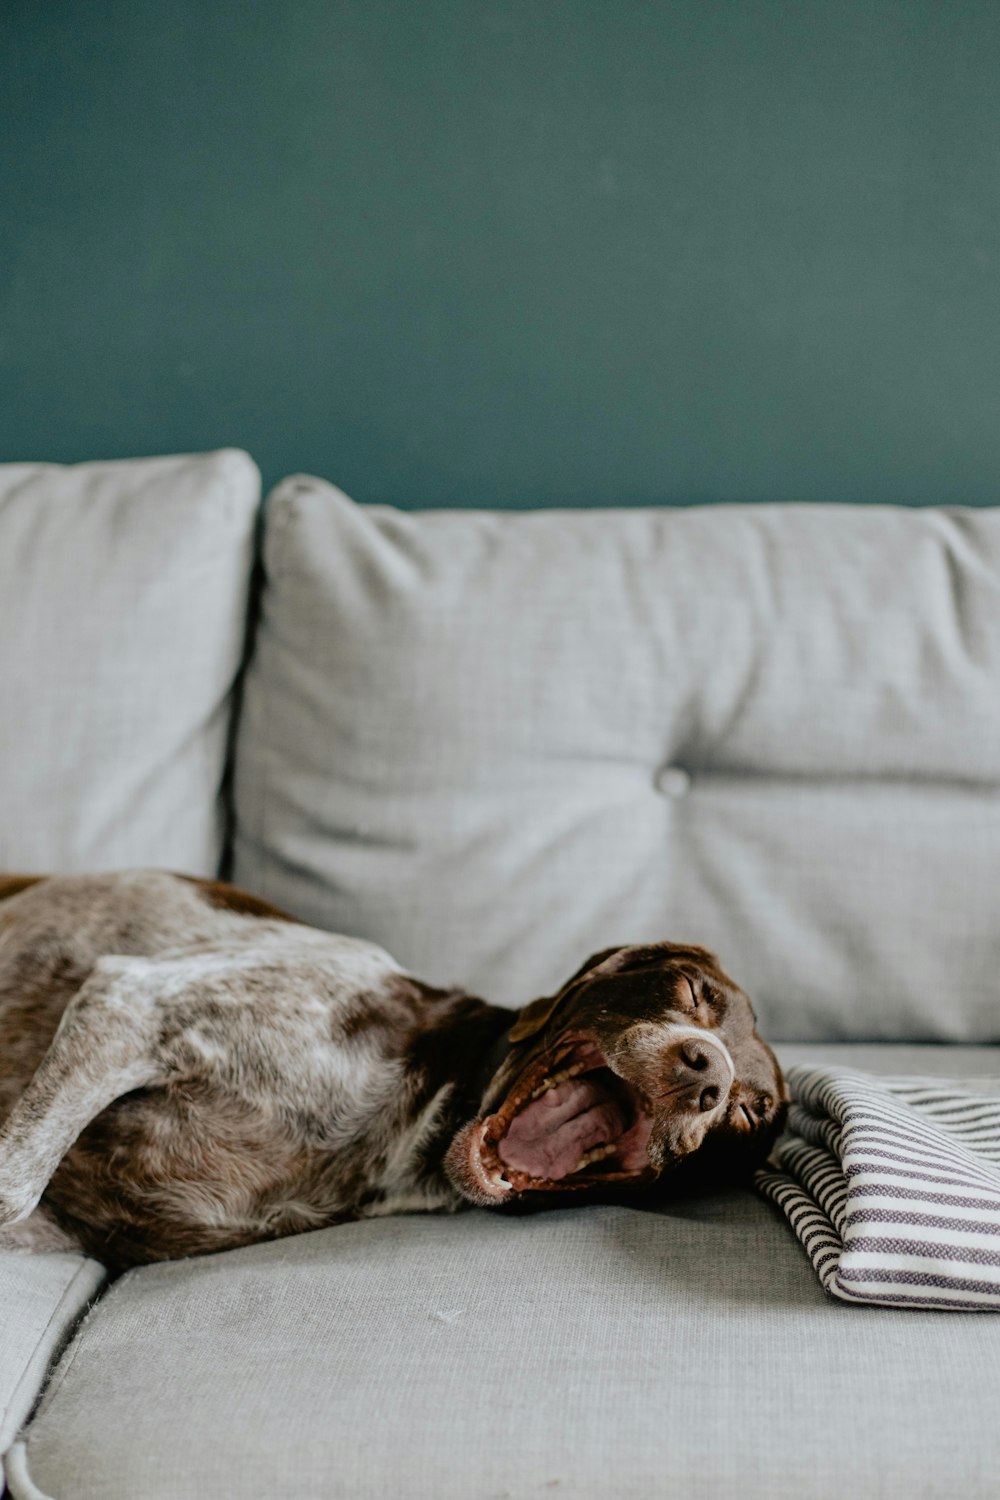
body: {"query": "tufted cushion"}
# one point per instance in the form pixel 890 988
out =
pixel 122 611
pixel 494 743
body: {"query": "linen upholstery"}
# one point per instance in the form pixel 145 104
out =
pixel 41 1296
pixel 587 1352
pixel 123 591
pixel 494 743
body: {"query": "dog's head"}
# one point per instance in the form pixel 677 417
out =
pixel 645 1056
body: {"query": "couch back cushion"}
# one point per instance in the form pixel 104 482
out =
pixel 123 590
pixel 495 743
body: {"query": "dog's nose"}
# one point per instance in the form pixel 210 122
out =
pixel 702 1068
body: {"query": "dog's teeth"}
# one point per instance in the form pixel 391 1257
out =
pixel 562 1076
pixel 597 1153
pixel 550 1083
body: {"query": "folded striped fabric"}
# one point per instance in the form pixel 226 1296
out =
pixel 893 1186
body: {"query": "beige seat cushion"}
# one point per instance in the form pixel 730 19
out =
pixel 590 1352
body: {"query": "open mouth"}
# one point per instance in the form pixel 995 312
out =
pixel 569 1123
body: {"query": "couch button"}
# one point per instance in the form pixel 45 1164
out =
pixel 673 781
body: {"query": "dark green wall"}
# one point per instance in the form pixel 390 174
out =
pixel 510 252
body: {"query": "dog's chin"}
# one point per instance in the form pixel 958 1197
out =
pixel 569 1124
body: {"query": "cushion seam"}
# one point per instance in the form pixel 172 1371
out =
pixel 58 1380
pixel 274 574
pixel 46 1385
pixel 18 1457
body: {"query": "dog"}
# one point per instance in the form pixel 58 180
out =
pixel 186 1069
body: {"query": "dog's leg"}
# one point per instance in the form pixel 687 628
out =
pixel 104 1047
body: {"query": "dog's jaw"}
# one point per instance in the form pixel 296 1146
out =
pixel 566 1122
pixel 466 1169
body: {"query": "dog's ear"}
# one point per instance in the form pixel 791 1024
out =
pixel 531 1018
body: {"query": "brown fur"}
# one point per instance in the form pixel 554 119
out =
pixel 224 1074
pixel 13 885
pixel 225 897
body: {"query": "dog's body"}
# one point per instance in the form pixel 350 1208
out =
pixel 185 1069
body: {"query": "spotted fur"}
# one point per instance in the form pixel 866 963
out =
pixel 233 1075
pixel 184 1068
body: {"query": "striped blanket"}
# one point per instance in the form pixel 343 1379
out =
pixel 893 1186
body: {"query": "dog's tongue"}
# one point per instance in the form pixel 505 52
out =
pixel 551 1133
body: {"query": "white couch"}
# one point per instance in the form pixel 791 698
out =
pixel 495 743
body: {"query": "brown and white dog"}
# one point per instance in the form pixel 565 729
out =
pixel 185 1069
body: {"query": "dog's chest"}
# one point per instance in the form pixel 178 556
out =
pixel 404 1179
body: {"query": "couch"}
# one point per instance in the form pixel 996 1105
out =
pixel 495 743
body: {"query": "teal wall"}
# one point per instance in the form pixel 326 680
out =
pixel 510 252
